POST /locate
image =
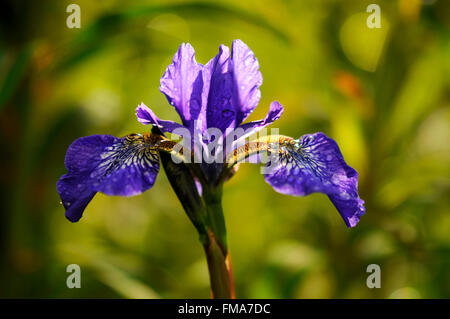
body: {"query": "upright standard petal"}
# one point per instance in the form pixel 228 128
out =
pixel 314 163
pixel 247 78
pixel 103 163
pixel 182 84
pixel 220 111
pixel 234 86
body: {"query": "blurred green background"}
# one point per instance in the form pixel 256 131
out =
pixel 382 94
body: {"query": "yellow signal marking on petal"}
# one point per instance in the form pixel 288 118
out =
pixel 272 143
pixel 261 144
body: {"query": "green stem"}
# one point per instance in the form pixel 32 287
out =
pixel 216 249
pixel 206 215
pixel 219 267
pixel 215 219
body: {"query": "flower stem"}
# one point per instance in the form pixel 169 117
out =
pixel 206 214
pixel 216 249
pixel 219 266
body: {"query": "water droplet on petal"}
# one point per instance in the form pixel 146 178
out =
pixel 227 113
pixel 68 204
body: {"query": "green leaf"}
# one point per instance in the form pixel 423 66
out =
pixel 15 74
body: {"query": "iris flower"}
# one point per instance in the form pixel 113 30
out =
pixel 219 95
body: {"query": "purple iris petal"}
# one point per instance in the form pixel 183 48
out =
pixel 75 194
pixel 103 163
pixel 314 163
pixel 182 84
pixel 221 111
pixel 221 94
pixel 247 79
pixel 234 86
pixel 146 116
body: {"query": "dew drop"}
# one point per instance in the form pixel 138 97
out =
pixel 227 113
pixel 68 204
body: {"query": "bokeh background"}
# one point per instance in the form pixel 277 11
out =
pixel 382 94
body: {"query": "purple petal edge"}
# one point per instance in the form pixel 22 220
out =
pixel 107 164
pixel 315 164
pixel 275 112
pixel 146 116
